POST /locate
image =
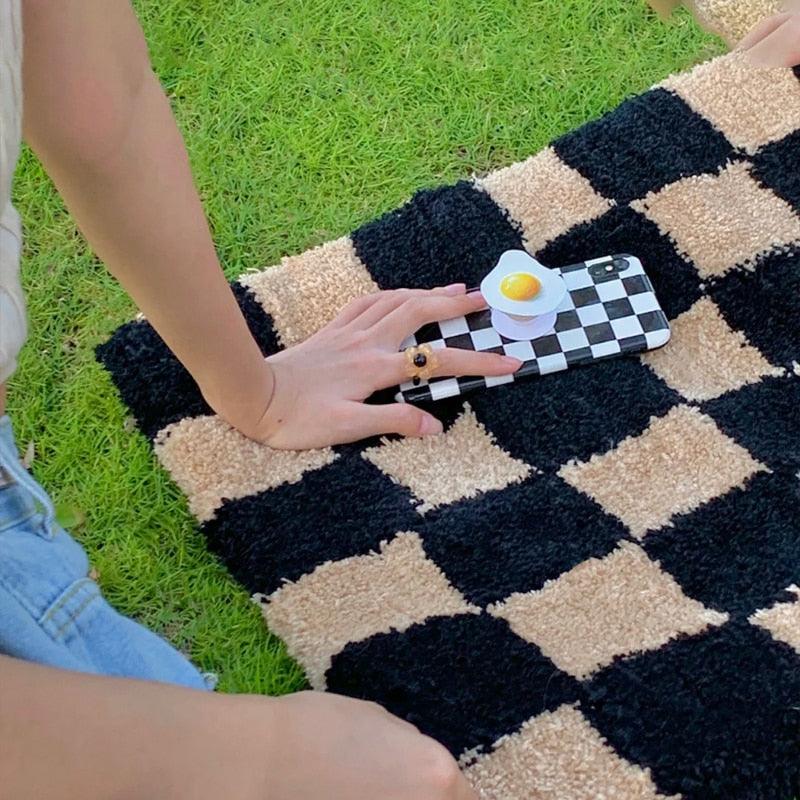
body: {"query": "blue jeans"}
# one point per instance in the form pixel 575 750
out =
pixel 51 612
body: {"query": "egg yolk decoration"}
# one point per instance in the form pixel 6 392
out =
pixel 520 286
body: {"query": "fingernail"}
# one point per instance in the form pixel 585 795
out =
pixel 511 362
pixel 454 289
pixel 430 426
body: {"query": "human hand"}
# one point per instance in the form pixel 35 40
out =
pixel 775 42
pixel 325 745
pixel 321 383
pixel 203 745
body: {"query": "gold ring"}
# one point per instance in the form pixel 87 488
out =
pixel 421 362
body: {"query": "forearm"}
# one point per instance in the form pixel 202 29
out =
pixel 68 735
pixel 109 141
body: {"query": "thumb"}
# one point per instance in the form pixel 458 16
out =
pixel 402 418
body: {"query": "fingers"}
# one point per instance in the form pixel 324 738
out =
pixel 366 311
pixel 418 311
pixel 450 362
pixel 383 302
pixel 762 30
pixel 354 309
pixel 781 47
pixel 367 420
pixel 385 305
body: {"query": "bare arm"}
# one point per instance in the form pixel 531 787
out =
pixel 98 119
pixel 67 735
pixel 71 736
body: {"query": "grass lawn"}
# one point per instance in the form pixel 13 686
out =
pixel 302 120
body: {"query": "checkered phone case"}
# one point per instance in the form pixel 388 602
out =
pixel 600 317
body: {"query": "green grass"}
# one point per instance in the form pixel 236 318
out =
pixel 302 120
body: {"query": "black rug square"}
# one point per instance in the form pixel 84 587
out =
pixel 516 539
pixel 344 509
pixel 701 704
pixel 764 303
pixel 452 234
pixel 770 168
pixel 464 680
pixel 623 230
pixel 649 141
pixel 764 418
pixel 738 552
pixel 549 420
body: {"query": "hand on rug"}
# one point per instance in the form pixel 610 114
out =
pixel 321 383
pixel 325 745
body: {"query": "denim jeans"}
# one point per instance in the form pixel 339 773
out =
pixel 51 611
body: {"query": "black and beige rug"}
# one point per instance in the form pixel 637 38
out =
pixel 587 587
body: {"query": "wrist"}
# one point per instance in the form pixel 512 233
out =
pixel 242 397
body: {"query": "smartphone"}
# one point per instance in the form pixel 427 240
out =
pixel 610 309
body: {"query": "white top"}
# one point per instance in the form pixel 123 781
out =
pixel 12 306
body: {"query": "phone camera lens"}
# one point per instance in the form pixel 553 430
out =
pixel 620 264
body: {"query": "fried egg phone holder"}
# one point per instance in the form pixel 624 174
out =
pixel 523 295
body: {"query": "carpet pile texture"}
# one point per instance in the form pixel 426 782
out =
pixel 588 585
pixel 730 19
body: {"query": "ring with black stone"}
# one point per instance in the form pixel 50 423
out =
pixel 421 362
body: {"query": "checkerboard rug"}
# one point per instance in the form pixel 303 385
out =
pixel 588 585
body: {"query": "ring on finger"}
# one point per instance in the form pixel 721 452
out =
pixel 421 362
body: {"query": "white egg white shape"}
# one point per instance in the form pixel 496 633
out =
pixel 548 299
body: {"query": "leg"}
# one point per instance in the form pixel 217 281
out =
pixel 50 610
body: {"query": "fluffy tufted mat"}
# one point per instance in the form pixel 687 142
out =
pixel 587 586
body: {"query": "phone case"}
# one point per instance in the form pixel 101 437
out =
pixel 600 317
